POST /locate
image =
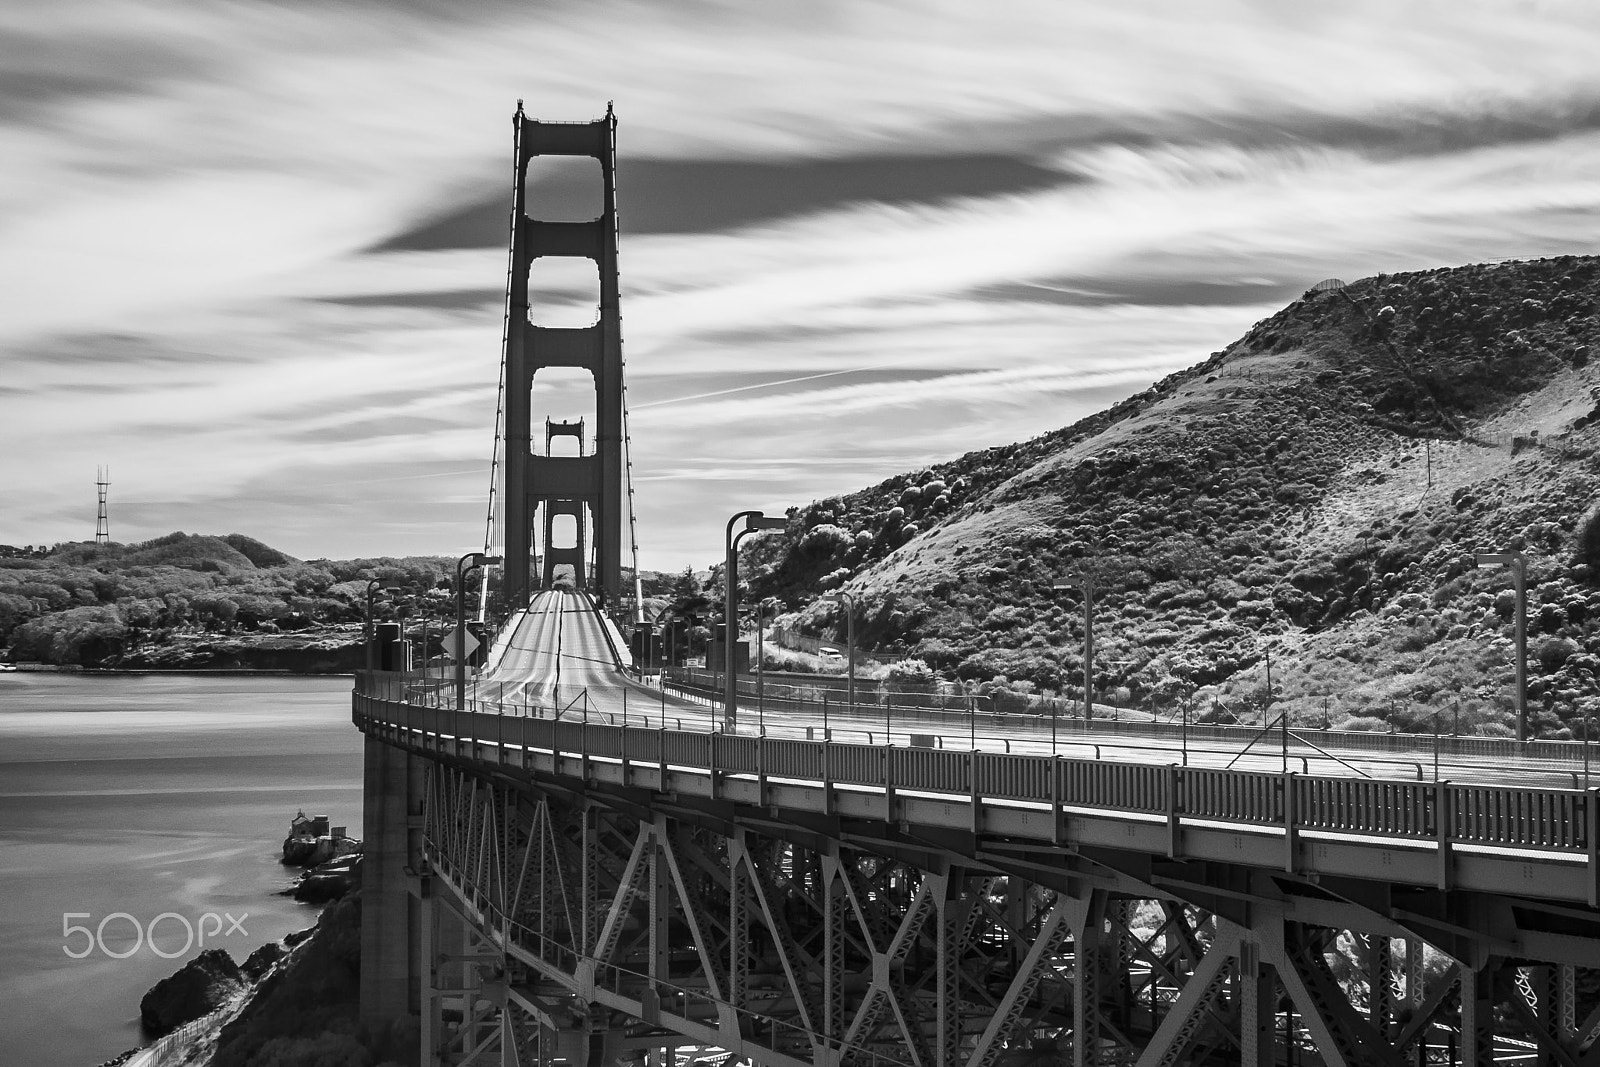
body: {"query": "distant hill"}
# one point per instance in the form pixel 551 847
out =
pixel 117 604
pixel 1314 492
pixel 257 553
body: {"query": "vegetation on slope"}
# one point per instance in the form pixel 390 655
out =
pixel 1314 493
pixel 100 605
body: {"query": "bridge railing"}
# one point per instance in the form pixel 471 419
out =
pixel 1562 820
pixel 950 712
pixel 684 709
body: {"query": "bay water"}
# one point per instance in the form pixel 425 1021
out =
pixel 137 811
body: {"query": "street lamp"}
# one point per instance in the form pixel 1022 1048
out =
pixel 372 585
pixel 753 521
pixel 366 629
pixel 1086 583
pixel 1519 577
pixel 469 562
pixel 761 655
pixel 849 603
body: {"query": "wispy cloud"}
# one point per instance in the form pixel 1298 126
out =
pixel 251 254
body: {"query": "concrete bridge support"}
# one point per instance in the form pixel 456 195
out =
pixel 393 898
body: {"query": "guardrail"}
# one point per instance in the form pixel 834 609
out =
pixel 653 701
pixel 174 1047
pixel 1442 814
pixel 953 712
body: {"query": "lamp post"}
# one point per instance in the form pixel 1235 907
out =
pixel 391 590
pixel 1085 582
pixel 761 655
pixel 1519 577
pixel 849 603
pixel 372 584
pixel 753 521
pixel 470 561
pixel 402 611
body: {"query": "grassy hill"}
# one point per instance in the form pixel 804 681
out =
pixel 1314 492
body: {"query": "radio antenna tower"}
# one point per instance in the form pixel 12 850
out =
pixel 102 526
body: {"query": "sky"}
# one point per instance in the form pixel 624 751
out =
pixel 252 254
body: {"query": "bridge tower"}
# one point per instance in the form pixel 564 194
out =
pixel 586 486
pixel 573 556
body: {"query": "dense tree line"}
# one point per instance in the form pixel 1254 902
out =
pixel 86 604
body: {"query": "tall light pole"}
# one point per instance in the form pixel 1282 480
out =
pixel 469 562
pixel 1519 577
pixel 753 521
pixel 761 655
pixel 1085 582
pixel 402 610
pixel 849 603
pixel 372 584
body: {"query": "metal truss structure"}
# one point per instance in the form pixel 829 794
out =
pixel 565 917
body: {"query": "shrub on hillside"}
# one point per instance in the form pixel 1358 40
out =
pixel 1554 652
pixel 1365 723
pixel 1588 542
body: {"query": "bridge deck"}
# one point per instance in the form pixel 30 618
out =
pixel 580 760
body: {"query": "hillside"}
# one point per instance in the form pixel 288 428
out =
pixel 194 600
pixel 1314 492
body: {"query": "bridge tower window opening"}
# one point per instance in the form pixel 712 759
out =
pixel 562 399
pixel 565 189
pixel 563 293
pixel 563 532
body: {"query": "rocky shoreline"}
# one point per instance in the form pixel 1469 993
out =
pixel 332 650
pixel 328 858
pixel 325 650
pixel 207 1003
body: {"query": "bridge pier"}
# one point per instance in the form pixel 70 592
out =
pixel 392 897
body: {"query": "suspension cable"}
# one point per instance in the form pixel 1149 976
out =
pixel 500 393
pixel 633 518
pixel 627 438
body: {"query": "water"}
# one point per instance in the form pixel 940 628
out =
pixel 147 795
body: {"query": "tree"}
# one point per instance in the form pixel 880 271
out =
pixel 225 611
pixel 88 636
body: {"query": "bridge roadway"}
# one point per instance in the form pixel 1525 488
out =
pixel 559 658
pixel 572 891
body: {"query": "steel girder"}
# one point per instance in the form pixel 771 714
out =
pixel 626 926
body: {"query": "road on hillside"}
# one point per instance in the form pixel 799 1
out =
pixel 558 660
